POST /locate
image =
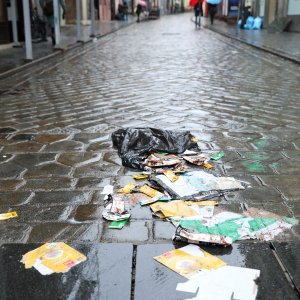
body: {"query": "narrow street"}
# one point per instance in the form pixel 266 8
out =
pixel 57 155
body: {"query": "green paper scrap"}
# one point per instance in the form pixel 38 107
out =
pixel 292 221
pixel 117 224
pixel 260 223
pixel 227 228
pixel 217 156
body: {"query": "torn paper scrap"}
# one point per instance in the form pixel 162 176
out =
pixel 224 283
pixel 217 156
pixel 108 189
pixel 158 160
pixel 189 260
pixel 53 258
pixel 127 189
pixel 117 208
pixel 8 215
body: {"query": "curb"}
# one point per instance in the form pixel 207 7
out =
pixel 56 52
pixel 294 60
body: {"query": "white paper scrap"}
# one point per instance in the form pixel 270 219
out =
pixel 108 189
pixel 223 284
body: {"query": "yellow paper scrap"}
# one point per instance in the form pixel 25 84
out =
pixel 171 175
pixel 208 166
pixel 188 265
pixel 140 176
pixel 127 188
pixel 203 203
pixel 149 191
pixel 194 139
pixel 8 215
pixel 54 257
pixel 175 208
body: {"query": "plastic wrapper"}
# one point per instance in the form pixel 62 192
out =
pixel 135 144
pixel 117 208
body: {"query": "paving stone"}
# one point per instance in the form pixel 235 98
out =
pixel 23 137
pixel 254 195
pixel 46 232
pixel 78 159
pixel 99 146
pixel 22 147
pixel 262 156
pixel 98 170
pixel 50 138
pixel 248 167
pixel 49 184
pixel 11 171
pixel 112 157
pixel 107 266
pixel 88 138
pixel 48 170
pixel 90 183
pixel 272 144
pixel 163 230
pixel 64 146
pixel 289 255
pixel 61 197
pixel 133 231
pixel 31 160
pixel 15 198
pixel 88 212
pixel 37 214
pixel 11 185
pixel 286 167
pixel 5 157
pixel 81 233
pixel 13 232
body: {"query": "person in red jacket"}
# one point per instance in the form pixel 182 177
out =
pixel 198 12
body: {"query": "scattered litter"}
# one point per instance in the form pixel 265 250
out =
pixel 199 159
pixel 127 189
pixel 226 227
pixel 8 215
pixel 108 189
pixel 135 144
pixel 193 184
pixel 224 283
pixel 117 224
pixel 53 258
pixel 117 208
pixel 177 208
pixel 171 175
pixel 189 260
pixel 208 166
pixel 149 191
pixel 217 156
pixel 140 176
pixel 159 160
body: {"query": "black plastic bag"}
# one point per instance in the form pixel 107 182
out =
pixel 134 144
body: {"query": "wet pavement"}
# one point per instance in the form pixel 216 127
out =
pixel 284 44
pixel 56 151
pixel 15 58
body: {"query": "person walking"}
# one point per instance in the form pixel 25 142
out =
pixel 198 13
pixel 139 10
pixel 48 11
pixel 212 10
pixel 125 11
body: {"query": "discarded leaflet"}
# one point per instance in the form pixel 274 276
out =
pixel 117 208
pixel 189 260
pixel 195 183
pixel 8 215
pixel 53 258
pixel 127 189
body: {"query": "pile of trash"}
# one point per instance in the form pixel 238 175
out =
pixel 177 183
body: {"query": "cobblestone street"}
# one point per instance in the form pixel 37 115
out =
pixel 57 119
